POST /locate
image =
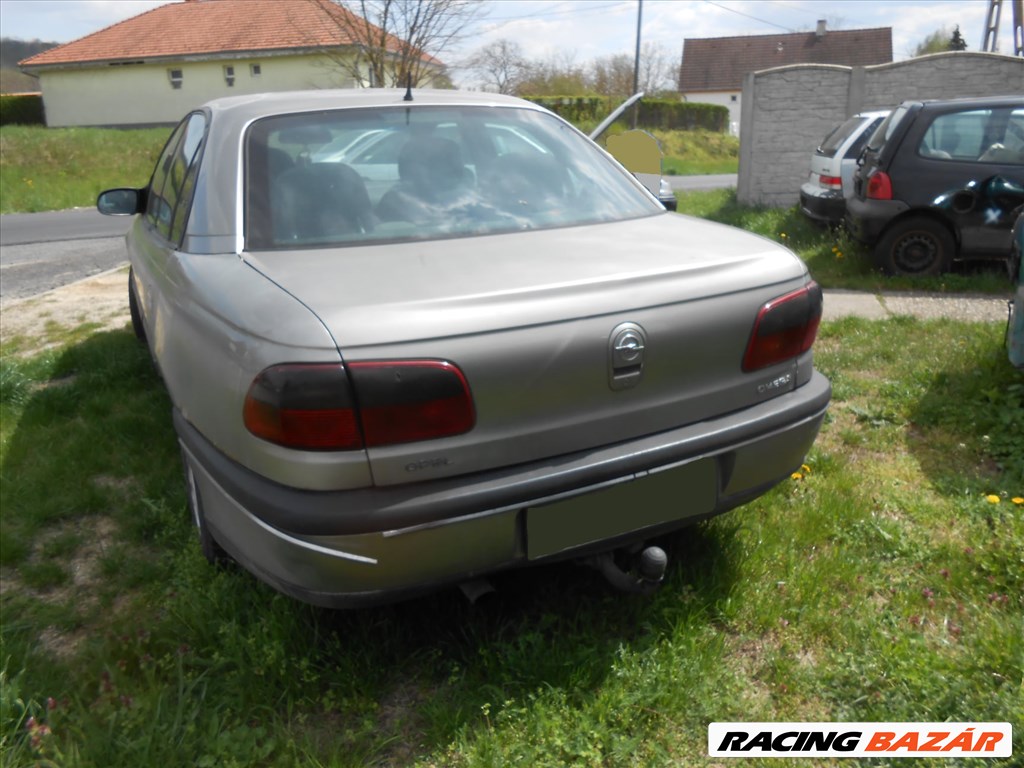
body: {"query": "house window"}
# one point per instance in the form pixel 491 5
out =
pixel 733 97
pixel 254 70
pixel 229 75
pixel 175 77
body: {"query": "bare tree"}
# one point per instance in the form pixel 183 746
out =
pixel 397 40
pixel 500 65
pixel 613 75
pixel 556 75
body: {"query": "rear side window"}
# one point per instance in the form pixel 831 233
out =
pixel 980 135
pixel 173 183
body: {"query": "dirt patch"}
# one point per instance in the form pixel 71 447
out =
pixel 38 323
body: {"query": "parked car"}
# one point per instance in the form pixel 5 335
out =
pixel 939 181
pixel 830 182
pixel 1015 322
pixel 506 358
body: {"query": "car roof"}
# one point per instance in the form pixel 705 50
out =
pixel 976 101
pixel 256 105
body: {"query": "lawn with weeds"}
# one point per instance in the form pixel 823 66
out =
pixel 883 581
pixel 834 258
pixel 50 169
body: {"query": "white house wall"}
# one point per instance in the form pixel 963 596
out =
pixel 142 94
pixel 731 100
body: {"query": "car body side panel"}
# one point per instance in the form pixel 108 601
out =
pixel 213 324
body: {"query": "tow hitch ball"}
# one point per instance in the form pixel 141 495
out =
pixel 647 571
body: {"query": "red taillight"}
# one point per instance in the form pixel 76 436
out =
pixel 830 182
pixel 332 407
pixel 306 406
pixel 785 327
pixel 407 401
pixel 879 186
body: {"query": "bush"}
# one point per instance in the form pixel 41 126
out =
pixel 663 114
pixel 22 109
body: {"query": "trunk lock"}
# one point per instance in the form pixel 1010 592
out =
pixel 627 347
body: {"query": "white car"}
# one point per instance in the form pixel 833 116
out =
pixel 823 196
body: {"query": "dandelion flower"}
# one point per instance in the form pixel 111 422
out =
pixel 805 469
pixel 992 499
pixel 1017 500
pixel 797 476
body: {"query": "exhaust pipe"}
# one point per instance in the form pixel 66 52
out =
pixel 650 567
pixel 474 589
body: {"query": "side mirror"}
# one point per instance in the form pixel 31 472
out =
pixel 121 202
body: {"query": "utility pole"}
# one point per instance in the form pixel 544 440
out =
pixel 989 41
pixel 636 61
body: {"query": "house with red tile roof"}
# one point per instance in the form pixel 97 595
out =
pixel 155 67
pixel 713 68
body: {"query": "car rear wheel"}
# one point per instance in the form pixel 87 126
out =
pixel 211 550
pixel 916 246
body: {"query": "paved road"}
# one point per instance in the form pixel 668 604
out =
pixel 42 251
pixel 711 181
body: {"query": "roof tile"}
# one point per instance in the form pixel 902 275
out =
pixel 720 63
pixel 198 27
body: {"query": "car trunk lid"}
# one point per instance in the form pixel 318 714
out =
pixel 569 339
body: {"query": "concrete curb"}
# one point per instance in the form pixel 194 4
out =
pixel 925 306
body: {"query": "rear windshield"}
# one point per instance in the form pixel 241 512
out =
pixel 839 134
pixel 885 130
pixel 356 176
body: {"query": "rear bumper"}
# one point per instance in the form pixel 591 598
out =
pixel 351 548
pixel 827 206
pixel 866 219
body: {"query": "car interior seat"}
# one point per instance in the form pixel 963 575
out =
pixel 431 175
pixel 320 201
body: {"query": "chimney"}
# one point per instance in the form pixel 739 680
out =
pixel 820 31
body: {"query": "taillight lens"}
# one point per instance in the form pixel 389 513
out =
pixel 879 186
pixel 831 182
pixel 785 327
pixel 407 401
pixel 333 407
pixel 306 406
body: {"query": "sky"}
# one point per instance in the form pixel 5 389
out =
pixel 586 29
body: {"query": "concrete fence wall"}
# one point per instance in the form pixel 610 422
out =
pixel 787 111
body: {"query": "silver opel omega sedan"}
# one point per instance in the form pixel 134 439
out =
pixel 415 338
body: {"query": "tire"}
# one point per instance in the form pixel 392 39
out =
pixel 133 309
pixel 211 550
pixel 916 246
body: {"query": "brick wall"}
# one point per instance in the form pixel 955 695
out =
pixel 788 110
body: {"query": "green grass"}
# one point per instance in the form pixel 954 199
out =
pixel 50 169
pixel 880 585
pixel 834 259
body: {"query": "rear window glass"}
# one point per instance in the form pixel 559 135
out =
pixel 841 133
pixel 885 130
pixel 359 176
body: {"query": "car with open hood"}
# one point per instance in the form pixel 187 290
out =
pixel 486 347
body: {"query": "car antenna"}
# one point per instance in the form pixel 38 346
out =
pixel 408 88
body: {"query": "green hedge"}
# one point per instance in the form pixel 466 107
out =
pixel 664 114
pixel 22 109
